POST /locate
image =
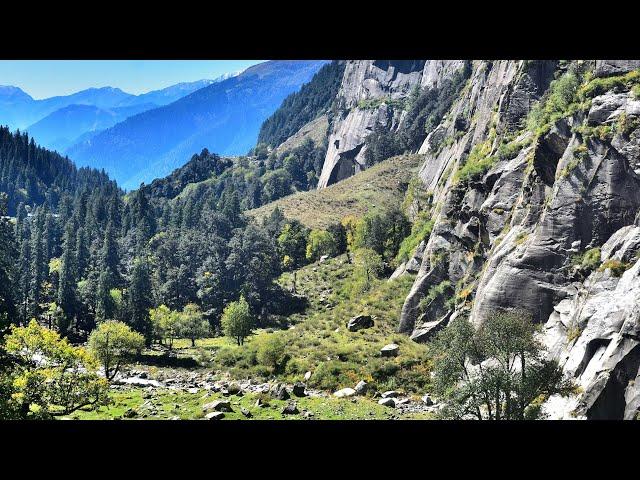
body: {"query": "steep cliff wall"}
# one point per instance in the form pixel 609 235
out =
pixel 518 197
pixel 374 92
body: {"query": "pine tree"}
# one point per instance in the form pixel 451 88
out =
pixel 37 264
pixel 109 276
pixel 139 299
pixel 67 298
pixel 7 270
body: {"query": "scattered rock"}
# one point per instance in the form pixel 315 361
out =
pixel 130 413
pixel 361 387
pixel 234 389
pixel 298 389
pixel 290 409
pixel 214 416
pixel 390 350
pixel 261 403
pixel 387 402
pixel 307 414
pixel 279 391
pixel 359 322
pixel 345 392
pixel 219 406
pixel 193 390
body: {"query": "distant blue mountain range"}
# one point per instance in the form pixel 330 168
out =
pixel 224 117
pixel 59 122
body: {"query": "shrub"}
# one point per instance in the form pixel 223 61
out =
pixel 616 266
pixel 598 86
pixel 560 101
pixel 589 260
pixel 477 163
pixel 271 351
pixel 421 230
pixel 320 243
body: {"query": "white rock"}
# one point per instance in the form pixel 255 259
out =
pixel 345 392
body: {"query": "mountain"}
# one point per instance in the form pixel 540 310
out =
pixel 74 123
pixel 20 110
pixel 526 201
pixel 224 117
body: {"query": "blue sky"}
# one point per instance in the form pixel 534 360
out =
pixel 48 78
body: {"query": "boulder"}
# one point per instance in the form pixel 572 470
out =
pixel 428 401
pixel 234 389
pixel 390 394
pixel 279 391
pixel 390 350
pixel 307 376
pixel 245 412
pixel 219 406
pixel 324 258
pixel 299 389
pixel 362 387
pixel 130 413
pixel 387 402
pixel 290 409
pixel 214 416
pixel 345 392
pixel 359 322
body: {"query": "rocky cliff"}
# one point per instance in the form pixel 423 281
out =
pixel 535 167
pixel 374 92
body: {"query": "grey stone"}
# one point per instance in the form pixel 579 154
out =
pixel 214 416
pixel 290 409
pixel 359 322
pixel 299 389
pixel 387 402
pixel 361 388
pixel 390 350
pixel 219 406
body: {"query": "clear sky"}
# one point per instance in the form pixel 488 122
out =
pixel 48 78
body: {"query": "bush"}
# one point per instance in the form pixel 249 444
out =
pixel 616 266
pixel 271 351
pixel 598 86
pixel 320 243
pixel 561 100
pixel 421 230
pixel 589 260
pixel 477 163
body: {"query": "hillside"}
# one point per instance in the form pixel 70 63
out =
pixel 224 117
pixel 382 186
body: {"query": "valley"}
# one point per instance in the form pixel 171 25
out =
pixel 420 239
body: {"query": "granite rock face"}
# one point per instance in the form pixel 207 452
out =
pixel 368 88
pixel 507 237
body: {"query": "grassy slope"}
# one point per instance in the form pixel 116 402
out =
pixel 382 185
pixel 319 341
